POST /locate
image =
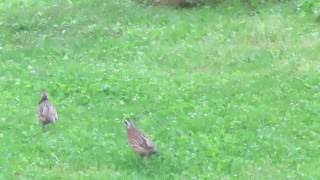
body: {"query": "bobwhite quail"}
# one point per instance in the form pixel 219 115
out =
pixel 47 112
pixel 138 141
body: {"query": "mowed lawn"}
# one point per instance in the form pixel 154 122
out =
pixel 225 92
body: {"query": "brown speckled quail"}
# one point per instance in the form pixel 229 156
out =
pixel 47 112
pixel 141 144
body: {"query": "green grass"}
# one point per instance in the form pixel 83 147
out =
pixel 224 93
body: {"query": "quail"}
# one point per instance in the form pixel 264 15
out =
pixel 47 112
pixel 141 144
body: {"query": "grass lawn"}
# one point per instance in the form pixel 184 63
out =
pixel 225 93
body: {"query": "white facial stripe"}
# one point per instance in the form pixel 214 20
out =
pixel 127 123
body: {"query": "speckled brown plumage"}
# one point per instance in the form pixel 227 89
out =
pixel 138 141
pixel 47 112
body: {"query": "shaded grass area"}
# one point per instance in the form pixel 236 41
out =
pixel 224 94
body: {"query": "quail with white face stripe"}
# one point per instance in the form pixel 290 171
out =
pixel 140 143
